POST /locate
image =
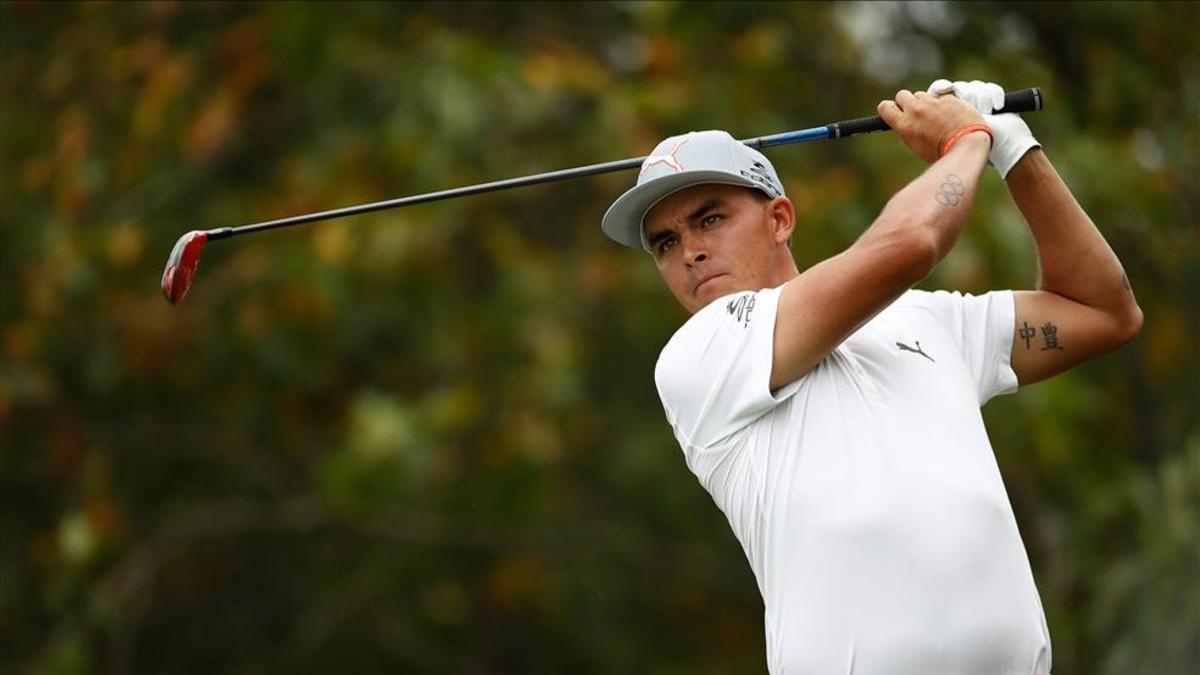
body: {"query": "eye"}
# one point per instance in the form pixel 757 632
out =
pixel 710 219
pixel 665 245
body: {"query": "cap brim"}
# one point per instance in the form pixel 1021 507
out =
pixel 623 221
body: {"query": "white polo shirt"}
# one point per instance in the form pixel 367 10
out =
pixel 865 494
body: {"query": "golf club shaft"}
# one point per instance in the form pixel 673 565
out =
pixel 1023 100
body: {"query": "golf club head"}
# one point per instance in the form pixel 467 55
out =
pixel 181 265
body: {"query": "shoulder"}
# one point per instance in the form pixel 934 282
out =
pixel 931 300
pixel 690 341
pixel 716 327
pixel 947 304
pixel 714 374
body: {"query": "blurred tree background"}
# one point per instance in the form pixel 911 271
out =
pixel 428 440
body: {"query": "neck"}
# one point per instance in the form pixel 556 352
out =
pixel 787 269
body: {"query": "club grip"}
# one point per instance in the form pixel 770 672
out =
pixel 1019 101
pixel 859 125
pixel 1022 100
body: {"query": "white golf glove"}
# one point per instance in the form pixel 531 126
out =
pixel 1011 137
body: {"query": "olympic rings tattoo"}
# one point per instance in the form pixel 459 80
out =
pixel 950 193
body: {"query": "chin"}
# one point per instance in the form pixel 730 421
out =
pixel 711 291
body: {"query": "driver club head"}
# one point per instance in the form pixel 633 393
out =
pixel 181 265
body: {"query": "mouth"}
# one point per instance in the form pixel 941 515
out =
pixel 705 280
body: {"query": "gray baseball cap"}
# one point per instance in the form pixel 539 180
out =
pixel 683 161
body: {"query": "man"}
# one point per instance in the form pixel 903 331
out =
pixel 834 414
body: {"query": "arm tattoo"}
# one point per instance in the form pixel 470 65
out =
pixel 1050 333
pixel 1027 333
pixel 950 192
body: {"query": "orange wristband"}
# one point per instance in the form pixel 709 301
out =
pixel 953 138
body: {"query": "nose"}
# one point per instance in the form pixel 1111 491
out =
pixel 694 250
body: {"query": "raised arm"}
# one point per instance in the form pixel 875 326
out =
pixel 1084 306
pixel 918 227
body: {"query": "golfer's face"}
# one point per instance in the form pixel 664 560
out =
pixel 709 241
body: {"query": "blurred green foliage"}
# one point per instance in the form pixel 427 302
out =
pixel 428 440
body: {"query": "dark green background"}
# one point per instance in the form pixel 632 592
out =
pixel 428 440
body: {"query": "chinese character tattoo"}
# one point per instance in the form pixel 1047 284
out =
pixel 1050 333
pixel 1026 332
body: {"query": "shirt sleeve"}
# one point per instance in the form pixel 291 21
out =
pixel 714 375
pixel 982 327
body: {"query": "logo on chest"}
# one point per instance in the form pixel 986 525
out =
pixel 740 308
pixel 905 348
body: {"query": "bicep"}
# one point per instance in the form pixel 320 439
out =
pixel 1053 334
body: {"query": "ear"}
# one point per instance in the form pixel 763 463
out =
pixel 783 218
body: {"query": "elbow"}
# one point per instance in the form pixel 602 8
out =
pixel 1133 324
pixel 911 253
pixel 1128 324
pixel 915 253
pixel 924 252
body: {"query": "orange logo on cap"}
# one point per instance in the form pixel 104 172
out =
pixel 668 159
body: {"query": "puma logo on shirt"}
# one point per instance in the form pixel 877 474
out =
pixel 906 348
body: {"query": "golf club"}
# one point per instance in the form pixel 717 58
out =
pixel 185 256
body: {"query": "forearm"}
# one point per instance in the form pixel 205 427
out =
pixel 934 206
pixel 1074 260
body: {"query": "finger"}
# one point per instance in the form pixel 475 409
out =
pixel 890 112
pixel 982 96
pixel 904 98
pixel 971 93
pixel 996 93
pixel 940 87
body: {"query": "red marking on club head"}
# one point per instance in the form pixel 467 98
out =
pixel 181 265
